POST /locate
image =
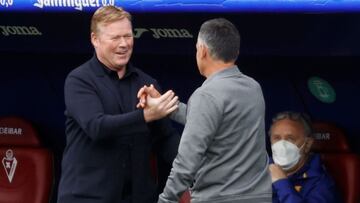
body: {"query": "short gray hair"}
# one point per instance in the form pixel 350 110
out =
pixel 301 118
pixel 222 38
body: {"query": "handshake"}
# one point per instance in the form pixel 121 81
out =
pixel 155 105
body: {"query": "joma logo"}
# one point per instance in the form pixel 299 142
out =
pixel 19 30
pixel 158 33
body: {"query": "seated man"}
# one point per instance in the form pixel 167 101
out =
pixel 297 175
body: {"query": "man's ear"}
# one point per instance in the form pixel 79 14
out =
pixel 204 51
pixel 308 144
pixel 94 39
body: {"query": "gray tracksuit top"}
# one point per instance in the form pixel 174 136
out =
pixel 222 156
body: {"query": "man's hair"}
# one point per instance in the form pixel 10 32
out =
pixel 301 118
pixel 222 39
pixel 107 14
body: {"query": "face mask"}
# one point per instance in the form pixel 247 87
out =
pixel 286 154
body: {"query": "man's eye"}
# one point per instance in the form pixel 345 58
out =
pixel 275 138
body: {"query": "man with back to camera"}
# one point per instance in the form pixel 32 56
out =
pixel 297 175
pixel 222 154
pixel 109 140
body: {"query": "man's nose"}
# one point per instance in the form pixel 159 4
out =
pixel 122 41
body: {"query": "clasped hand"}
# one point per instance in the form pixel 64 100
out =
pixel 155 105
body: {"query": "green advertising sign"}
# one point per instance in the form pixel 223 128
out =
pixel 322 90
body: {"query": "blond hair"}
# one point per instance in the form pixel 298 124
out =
pixel 107 14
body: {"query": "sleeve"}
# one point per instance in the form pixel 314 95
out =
pixel 285 192
pixel 322 191
pixel 202 121
pixel 83 103
pixel 180 114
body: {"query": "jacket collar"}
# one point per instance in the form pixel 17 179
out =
pixel 231 71
pixel 104 77
pixel 101 70
pixel 312 168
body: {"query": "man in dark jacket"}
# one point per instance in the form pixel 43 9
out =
pixel 109 141
pixel 297 175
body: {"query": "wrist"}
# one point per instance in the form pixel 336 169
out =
pixel 147 116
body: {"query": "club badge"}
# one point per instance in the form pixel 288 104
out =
pixel 9 162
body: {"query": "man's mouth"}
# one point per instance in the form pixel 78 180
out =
pixel 121 53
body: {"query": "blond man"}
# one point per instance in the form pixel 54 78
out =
pixel 109 140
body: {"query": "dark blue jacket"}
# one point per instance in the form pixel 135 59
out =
pixel 106 145
pixel 311 184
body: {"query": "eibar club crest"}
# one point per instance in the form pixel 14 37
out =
pixel 9 162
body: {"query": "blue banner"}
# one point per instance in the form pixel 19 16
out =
pixel 183 5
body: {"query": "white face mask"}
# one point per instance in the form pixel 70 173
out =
pixel 286 154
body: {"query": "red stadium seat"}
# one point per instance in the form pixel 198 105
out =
pixel 26 169
pixel 341 163
pixel 153 167
pixel 329 138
